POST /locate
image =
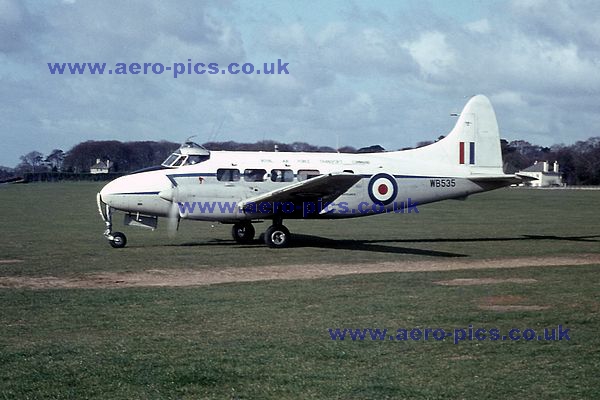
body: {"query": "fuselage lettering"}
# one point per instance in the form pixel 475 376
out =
pixel 442 183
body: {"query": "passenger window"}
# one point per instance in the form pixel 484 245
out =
pixel 254 175
pixel 304 174
pixel 282 175
pixel 228 175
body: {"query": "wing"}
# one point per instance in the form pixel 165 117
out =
pixel 321 188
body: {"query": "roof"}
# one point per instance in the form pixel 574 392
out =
pixel 538 167
pixel 100 165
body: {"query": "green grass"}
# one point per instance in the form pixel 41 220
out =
pixel 57 230
pixel 269 340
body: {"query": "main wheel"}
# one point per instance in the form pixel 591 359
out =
pixel 119 240
pixel 277 236
pixel 242 232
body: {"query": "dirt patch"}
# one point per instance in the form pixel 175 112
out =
pixel 462 357
pixel 212 275
pixel 483 281
pixel 503 300
pixel 10 261
pixel 501 308
pixel 508 303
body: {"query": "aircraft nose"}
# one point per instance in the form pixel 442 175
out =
pixel 111 189
pixel 120 193
pixel 133 192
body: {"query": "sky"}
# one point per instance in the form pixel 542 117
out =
pixel 360 72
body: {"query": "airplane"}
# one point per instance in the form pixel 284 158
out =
pixel 244 187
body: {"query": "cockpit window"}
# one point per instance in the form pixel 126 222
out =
pixel 189 153
pixel 180 161
pixel 170 160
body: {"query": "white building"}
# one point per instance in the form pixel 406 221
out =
pixel 545 174
pixel 100 167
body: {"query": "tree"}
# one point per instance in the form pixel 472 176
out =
pixel 424 143
pixel 6 173
pixel 55 159
pixel 347 149
pixel 371 149
pixel 31 160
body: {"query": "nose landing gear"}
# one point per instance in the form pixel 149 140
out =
pixel 115 239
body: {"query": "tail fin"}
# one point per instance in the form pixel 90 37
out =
pixel 472 147
pixel 475 139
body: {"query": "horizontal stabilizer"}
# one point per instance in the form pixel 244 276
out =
pixel 526 178
pixel 501 179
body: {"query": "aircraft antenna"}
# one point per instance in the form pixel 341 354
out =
pixel 215 132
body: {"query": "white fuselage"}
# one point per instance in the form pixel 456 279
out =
pixel 417 181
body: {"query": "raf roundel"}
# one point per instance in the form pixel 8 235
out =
pixel 383 189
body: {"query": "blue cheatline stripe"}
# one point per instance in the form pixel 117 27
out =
pixel 192 174
pixel 471 152
pixel 136 193
pixel 419 176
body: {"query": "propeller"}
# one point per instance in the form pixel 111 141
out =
pixel 174 215
pixel 173 219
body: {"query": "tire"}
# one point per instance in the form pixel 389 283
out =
pixel 243 232
pixel 277 237
pixel 119 240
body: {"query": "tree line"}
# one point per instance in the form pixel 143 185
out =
pixel 579 162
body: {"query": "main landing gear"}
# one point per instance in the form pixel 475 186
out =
pixel 243 232
pixel 276 236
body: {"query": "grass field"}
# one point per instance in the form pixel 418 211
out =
pixel 270 339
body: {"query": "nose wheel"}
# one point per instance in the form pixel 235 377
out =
pixel 119 240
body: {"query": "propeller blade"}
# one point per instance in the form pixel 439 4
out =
pixel 173 220
pixel 174 216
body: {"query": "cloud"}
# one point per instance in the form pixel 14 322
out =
pixel 17 25
pixel 560 21
pixel 387 74
pixel 480 26
pixel 432 53
pixel 507 98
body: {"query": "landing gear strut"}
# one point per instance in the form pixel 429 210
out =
pixel 243 232
pixel 115 239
